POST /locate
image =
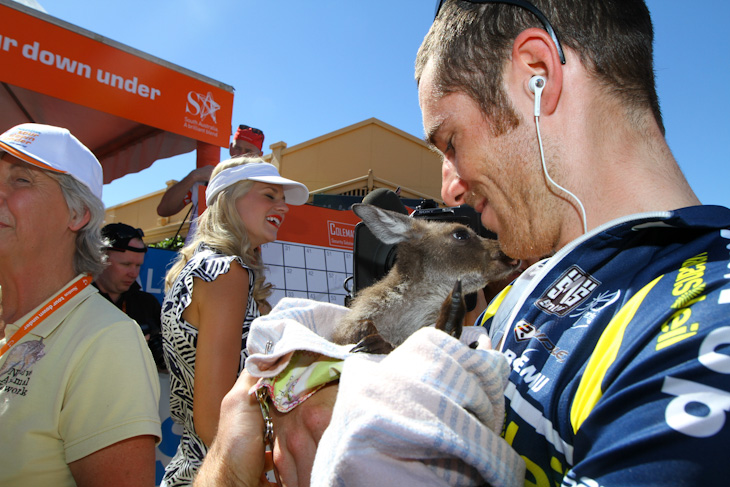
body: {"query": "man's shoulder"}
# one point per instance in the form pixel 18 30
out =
pixel 95 319
pixel 99 312
pixel 136 292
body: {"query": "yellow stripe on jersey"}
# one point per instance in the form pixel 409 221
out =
pixel 589 390
pixel 494 305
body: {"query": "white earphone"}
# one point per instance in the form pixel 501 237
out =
pixel 537 84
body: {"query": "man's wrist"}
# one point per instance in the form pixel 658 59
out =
pixel 216 472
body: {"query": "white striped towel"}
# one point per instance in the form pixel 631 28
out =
pixel 427 414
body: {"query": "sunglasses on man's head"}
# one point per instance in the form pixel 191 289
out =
pixel 119 237
pixel 127 233
pixel 527 6
pixel 254 130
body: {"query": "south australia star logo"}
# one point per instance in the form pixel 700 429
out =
pixel 201 105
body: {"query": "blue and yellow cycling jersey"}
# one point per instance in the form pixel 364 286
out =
pixel 620 353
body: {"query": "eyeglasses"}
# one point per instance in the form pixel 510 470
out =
pixel 527 6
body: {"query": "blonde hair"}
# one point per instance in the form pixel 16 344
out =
pixel 220 227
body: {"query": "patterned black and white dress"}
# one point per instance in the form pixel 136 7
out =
pixel 179 341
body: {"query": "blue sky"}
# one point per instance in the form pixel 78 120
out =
pixel 303 69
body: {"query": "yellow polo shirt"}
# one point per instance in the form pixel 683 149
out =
pixel 82 380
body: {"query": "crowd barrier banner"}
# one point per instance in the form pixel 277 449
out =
pixel 152 273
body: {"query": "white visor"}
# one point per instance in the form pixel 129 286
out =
pixel 295 193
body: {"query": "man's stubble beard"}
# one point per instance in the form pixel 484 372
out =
pixel 529 215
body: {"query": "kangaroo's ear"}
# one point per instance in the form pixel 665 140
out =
pixel 388 226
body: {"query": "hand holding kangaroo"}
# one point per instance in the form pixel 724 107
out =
pixel 432 256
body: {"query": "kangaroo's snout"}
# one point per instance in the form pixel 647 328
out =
pixel 499 265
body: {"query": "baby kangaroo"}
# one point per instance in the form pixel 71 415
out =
pixel 432 256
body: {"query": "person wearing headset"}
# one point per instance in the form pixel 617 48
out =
pixel 618 344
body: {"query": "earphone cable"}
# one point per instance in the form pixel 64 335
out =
pixel 544 169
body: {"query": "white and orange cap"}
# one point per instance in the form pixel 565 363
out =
pixel 54 149
pixel 295 193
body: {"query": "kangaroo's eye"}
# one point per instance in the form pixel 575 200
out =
pixel 461 235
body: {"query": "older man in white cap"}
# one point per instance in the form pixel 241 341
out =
pixel 78 386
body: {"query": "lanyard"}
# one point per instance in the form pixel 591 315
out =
pixel 52 305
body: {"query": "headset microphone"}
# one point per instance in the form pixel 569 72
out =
pixel 537 84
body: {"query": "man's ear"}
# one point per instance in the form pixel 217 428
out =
pixel 534 53
pixel 78 222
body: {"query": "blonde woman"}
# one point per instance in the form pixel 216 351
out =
pixel 213 292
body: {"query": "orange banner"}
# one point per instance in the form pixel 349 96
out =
pixel 324 227
pixel 68 64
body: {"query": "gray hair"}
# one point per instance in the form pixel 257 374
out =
pixel 89 257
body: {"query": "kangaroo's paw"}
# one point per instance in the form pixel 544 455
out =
pixel 372 344
pixel 452 312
